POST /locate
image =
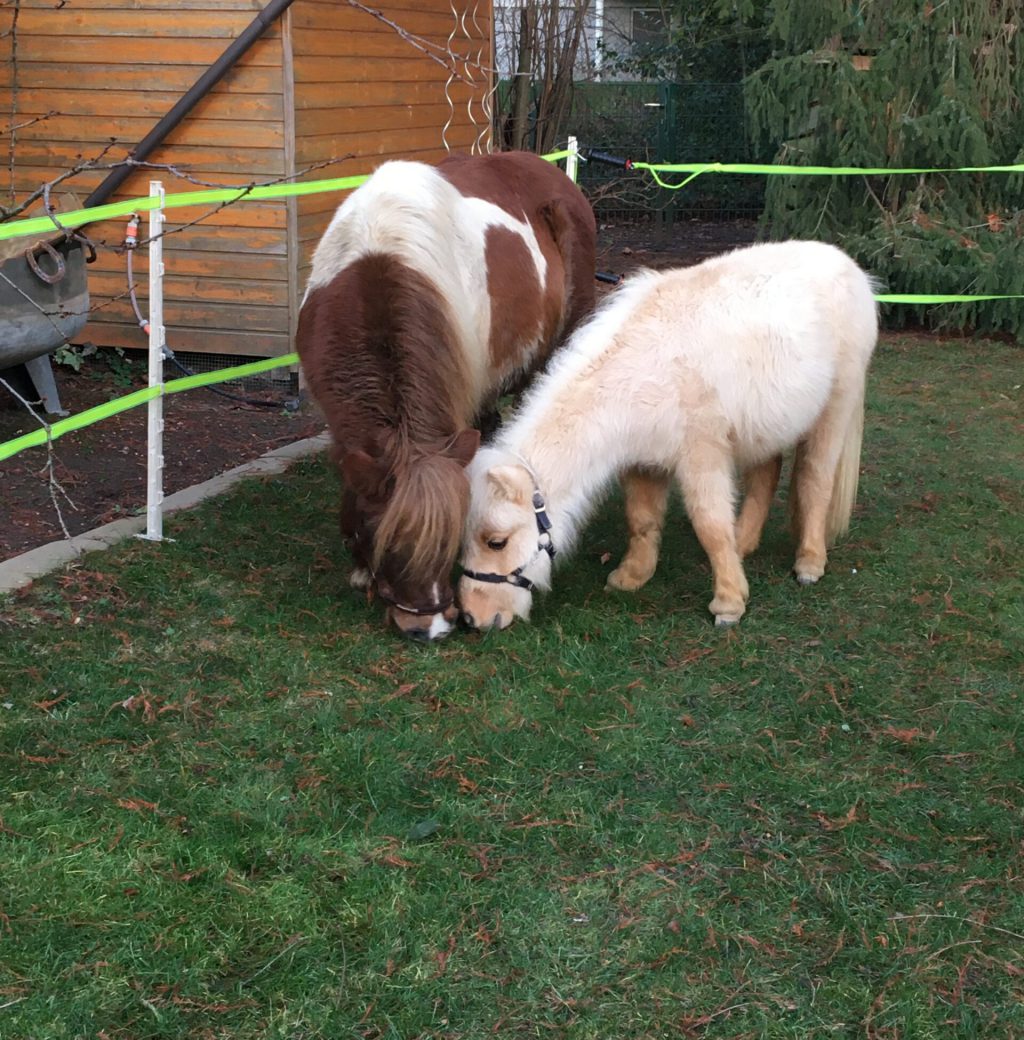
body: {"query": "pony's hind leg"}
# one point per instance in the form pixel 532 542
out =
pixel 824 483
pixel 646 493
pixel 708 491
pixel 760 483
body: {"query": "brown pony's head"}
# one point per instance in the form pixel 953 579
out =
pixel 402 518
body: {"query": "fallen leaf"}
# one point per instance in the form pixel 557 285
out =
pixel 137 804
pixel 47 705
pixel 907 736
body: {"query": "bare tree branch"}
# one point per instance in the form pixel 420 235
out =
pixel 29 122
pixel 8 212
pixel 436 52
pixel 55 487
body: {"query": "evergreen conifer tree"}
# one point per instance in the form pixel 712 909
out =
pixel 902 83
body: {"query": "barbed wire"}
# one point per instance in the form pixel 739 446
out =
pixel 31 122
pixel 435 51
pixel 7 212
pixel 463 68
pixel 244 191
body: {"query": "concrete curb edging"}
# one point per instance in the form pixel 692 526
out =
pixel 19 571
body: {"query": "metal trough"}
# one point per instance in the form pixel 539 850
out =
pixel 44 302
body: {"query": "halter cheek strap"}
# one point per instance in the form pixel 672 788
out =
pixel 544 544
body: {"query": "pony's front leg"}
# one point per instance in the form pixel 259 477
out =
pixel 708 494
pixel 646 494
pixel 759 483
pixel 360 577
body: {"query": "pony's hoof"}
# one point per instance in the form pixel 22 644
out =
pixel 360 578
pixel 622 580
pixel 809 569
pixel 727 620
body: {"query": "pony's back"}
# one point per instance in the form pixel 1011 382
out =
pixel 781 283
pixel 404 209
pixel 789 329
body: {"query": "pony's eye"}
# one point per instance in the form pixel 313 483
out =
pixel 497 544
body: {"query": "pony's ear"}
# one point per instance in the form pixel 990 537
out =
pixel 463 447
pixel 363 474
pixel 510 482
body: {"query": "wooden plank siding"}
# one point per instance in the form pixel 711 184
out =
pixel 385 99
pixel 327 81
pixel 111 70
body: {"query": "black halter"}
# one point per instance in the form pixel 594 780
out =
pixel 544 544
pixel 384 595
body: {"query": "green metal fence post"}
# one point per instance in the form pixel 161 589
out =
pixel 667 146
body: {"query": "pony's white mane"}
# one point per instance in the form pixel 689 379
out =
pixel 590 342
pixel 410 211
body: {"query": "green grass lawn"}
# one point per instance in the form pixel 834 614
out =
pixel 233 805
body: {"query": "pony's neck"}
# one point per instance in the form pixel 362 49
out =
pixel 572 430
pixel 572 458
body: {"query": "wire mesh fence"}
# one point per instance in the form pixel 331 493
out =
pixel 188 362
pixel 666 122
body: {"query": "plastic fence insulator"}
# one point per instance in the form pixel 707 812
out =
pixel 131 232
pixel 592 155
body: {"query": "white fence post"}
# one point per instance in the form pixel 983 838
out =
pixel 572 160
pixel 155 430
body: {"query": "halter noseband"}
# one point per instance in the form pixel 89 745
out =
pixel 544 544
pixel 436 608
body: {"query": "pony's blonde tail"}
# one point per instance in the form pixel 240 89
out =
pixel 844 488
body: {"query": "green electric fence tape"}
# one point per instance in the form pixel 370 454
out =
pixel 50 432
pixel 214 196
pixel 781 170
pixel 76 218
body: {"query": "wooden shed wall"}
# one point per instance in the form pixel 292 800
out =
pixel 328 80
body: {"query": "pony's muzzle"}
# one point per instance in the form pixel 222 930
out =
pixel 497 621
pixel 486 606
pixel 424 627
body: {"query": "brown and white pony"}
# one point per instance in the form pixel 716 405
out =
pixel 434 290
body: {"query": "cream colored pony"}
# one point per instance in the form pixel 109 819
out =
pixel 702 373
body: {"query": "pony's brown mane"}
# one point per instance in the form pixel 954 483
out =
pixel 424 515
pixel 382 359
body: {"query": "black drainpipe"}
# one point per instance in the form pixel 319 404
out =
pixel 202 86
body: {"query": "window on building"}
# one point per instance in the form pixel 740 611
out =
pixel 649 27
